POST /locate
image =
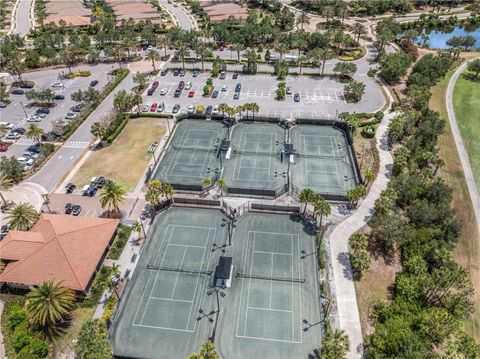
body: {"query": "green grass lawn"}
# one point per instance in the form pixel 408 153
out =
pixel 466 101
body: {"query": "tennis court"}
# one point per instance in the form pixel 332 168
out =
pixel 324 163
pixel 272 307
pixel 192 154
pixel 160 312
pixel 255 162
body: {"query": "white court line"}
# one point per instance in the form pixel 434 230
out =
pixel 166 328
pixel 249 287
pixel 271 282
pixel 277 253
pixel 185 245
pixel 178 274
pixel 271 309
pixel 270 339
pixel 172 300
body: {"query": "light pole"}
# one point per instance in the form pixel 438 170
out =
pixel 218 292
pixel 23 108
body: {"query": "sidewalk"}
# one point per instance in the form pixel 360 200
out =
pixel 349 319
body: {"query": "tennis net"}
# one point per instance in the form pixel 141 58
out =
pixel 332 157
pixel 196 149
pixel 180 270
pixel 253 153
pixel 278 279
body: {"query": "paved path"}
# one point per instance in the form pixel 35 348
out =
pixel 2 348
pixel 467 169
pixel 185 20
pixel 22 18
pixel 349 319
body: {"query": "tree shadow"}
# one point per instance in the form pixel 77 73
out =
pixel 469 76
pixel 344 259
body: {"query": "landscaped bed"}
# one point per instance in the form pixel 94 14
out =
pixel 127 155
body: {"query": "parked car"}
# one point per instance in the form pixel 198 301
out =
pixel 236 95
pixel 208 110
pixel 25 160
pixel 20 130
pixel 191 94
pixel 215 94
pixel 3 148
pixel 150 91
pixel 34 118
pixel 94 83
pixel 235 75
pixel 161 107
pixel 77 108
pixel 177 92
pixel 12 136
pixel 155 85
pixel 70 116
pixel 26 85
pixel 43 110
pixel 59 97
pixel 90 191
pixel 76 210
pixel 289 90
pixel 296 97
pixel 191 109
pixel 164 72
pixel 222 75
pixel 195 73
pixel 34 148
pixel 181 85
pixel 224 88
pixel 176 72
pixel 100 182
pixel 146 108
pixel 154 106
pixel 182 73
pixel 238 87
pixel 68 208
pixel 215 110
pixel 163 91
pixel 175 108
pixel 29 154
pixel 188 85
pixel 3 231
pixel 7 125
pixel 51 136
pixel 3 104
pixel 18 92
pixel 69 188
pixel 57 84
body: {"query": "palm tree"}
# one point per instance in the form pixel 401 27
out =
pixel 303 19
pixel 203 52
pixel 162 41
pixel 322 208
pixel 112 195
pixel 306 196
pixel 153 56
pixel 221 185
pixel 223 107
pixel 5 184
pixel 359 30
pixel 328 13
pixel 182 52
pixel 281 48
pixel 138 227
pixel 34 132
pixel 154 192
pixel 255 108
pixel 207 182
pixel 319 57
pixel 47 304
pixel 21 217
pixel 97 129
pixel 335 344
pixel 368 175
pixel 301 60
pixel 167 190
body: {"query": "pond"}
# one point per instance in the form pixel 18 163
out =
pixel 437 39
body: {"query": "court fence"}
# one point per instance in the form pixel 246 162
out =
pixel 256 206
pixel 204 202
pixel 333 197
pixel 187 187
pixel 259 192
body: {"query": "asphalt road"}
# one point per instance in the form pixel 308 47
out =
pixel 22 18
pixel 184 20
pixel 72 150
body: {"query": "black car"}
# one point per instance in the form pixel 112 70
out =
pixel 77 108
pixel 69 188
pixel 34 148
pixel 182 73
pixel 150 91
pixel 26 85
pixel 18 92
pixel 176 72
pixel 59 97
pixel 76 210
pixel 94 83
pixel 164 72
pixel 100 182
pixel 51 136
pixel 235 75
pixel 43 110
pixel 20 130
pixel 175 108
pixel 177 92
pixel 238 87
pixel 214 94
pixel 296 97
pixel 195 73
pixel 3 231
pixel 68 208
pixel 90 191
pixel 208 110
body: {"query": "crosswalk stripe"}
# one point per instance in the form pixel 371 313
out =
pixel 76 144
pixel 25 142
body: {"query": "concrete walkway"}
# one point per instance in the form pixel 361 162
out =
pixel 2 348
pixel 462 153
pixel 349 319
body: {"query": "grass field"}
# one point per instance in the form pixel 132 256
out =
pixel 127 155
pixel 467 251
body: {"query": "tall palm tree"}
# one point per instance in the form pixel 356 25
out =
pixel 223 107
pixel 5 184
pixel 328 13
pixel 318 57
pixel 47 304
pixel 21 217
pixel 301 60
pixel 255 108
pixel 303 19
pixel 34 132
pixel 152 55
pixel 281 48
pixel 359 30
pixel 182 52
pixel 221 185
pixel 163 41
pixel 112 195
pixel 322 208
pixel 306 196
pixel 138 227
pixel 203 52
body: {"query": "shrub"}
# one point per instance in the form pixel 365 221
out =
pixel 21 340
pixel 109 309
pixel 368 131
pixel 16 316
pixel 39 347
pixel 379 116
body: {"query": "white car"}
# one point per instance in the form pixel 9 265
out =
pixel 7 125
pixel 164 91
pixel 191 109
pixel 25 161
pixel 146 108
pixel 57 84
pixel 70 115
pixel 215 110
pixel 13 136
pixel 188 86
pixel 33 118
pixel 224 88
pixel 29 154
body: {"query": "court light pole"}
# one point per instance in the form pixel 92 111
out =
pixel 218 293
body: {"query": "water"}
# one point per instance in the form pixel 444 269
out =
pixel 438 39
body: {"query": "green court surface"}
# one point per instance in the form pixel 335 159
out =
pixel 271 309
pixel 192 153
pixel 324 163
pixel 255 160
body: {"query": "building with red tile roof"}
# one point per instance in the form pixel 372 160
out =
pixel 58 247
pixel 218 10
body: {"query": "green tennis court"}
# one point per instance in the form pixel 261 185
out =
pixel 255 161
pixel 324 163
pixel 192 154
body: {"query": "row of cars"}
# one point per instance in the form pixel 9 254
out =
pixel 90 189
pixel 29 157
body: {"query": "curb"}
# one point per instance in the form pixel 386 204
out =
pixel 13 23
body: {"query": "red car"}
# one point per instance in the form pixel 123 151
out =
pixel 3 148
pixel 155 84
pixel 191 94
pixel 154 106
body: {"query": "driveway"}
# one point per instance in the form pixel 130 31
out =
pixel 22 18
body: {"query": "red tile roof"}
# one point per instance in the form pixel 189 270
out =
pixel 60 247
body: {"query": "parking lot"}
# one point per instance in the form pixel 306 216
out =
pixel 319 97
pixel 17 111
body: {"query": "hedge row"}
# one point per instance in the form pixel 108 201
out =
pixel 116 127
